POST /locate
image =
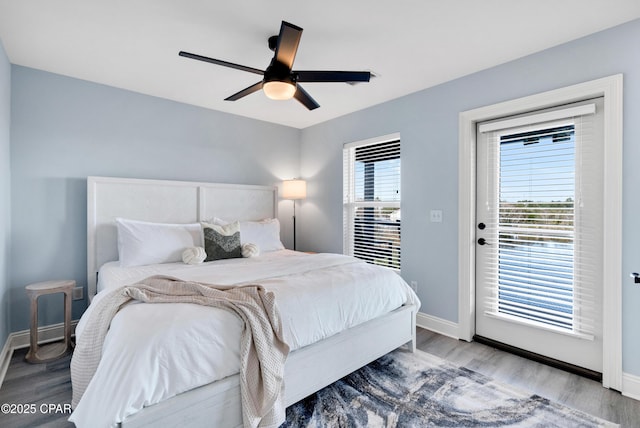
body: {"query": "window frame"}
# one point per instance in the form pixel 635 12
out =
pixel 350 202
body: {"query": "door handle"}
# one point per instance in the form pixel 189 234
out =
pixel 482 241
pixel 481 226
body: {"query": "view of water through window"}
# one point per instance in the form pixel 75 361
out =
pixel 536 226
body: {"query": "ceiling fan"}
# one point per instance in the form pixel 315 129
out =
pixel 279 81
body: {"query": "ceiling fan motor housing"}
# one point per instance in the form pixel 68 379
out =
pixel 278 71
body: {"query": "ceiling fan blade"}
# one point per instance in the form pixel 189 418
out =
pixel 247 91
pixel 220 62
pixel 288 41
pixel 333 76
pixel 304 97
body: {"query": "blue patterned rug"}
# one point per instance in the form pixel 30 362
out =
pixel 420 390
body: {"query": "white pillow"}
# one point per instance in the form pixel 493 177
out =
pixel 265 233
pixel 145 243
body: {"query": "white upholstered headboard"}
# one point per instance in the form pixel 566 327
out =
pixel 163 202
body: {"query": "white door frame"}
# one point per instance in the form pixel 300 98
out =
pixel 611 89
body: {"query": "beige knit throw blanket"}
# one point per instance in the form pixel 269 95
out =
pixel 262 350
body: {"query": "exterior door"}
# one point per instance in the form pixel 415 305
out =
pixel 539 233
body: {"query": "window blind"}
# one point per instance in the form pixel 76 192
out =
pixel 547 219
pixel 371 203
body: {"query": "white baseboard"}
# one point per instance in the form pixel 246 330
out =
pixel 22 339
pixel 438 325
pixel 5 359
pixel 631 386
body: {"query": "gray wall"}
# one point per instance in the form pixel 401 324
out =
pixel 64 129
pixel 5 192
pixel 428 124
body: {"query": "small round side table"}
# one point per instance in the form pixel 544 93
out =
pixel 51 351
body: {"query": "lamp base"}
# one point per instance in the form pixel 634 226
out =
pixel 294 227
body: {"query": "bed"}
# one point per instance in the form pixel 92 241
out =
pixel 316 360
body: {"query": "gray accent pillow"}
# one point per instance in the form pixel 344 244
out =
pixel 222 242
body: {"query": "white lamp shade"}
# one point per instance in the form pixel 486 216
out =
pixel 294 189
pixel 277 90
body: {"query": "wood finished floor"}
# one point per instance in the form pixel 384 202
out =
pixel 557 385
pixel 51 384
pixel 46 383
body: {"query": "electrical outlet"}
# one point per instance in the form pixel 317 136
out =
pixel 414 286
pixel 78 293
pixel 436 216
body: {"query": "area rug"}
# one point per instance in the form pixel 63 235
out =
pixel 403 389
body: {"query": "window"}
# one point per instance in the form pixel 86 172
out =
pixel 536 233
pixel 371 186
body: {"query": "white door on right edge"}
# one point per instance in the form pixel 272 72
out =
pixel 539 232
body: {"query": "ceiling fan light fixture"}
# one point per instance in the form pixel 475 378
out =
pixel 279 90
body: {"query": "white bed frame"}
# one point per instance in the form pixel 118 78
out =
pixel 307 370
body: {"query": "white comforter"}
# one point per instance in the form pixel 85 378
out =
pixel 186 346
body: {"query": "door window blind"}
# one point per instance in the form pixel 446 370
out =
pixel 371 203
pixel 546 222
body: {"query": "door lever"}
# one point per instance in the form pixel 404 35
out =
pixel 482 241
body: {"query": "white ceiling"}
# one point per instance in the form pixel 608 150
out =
pixel 410 44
